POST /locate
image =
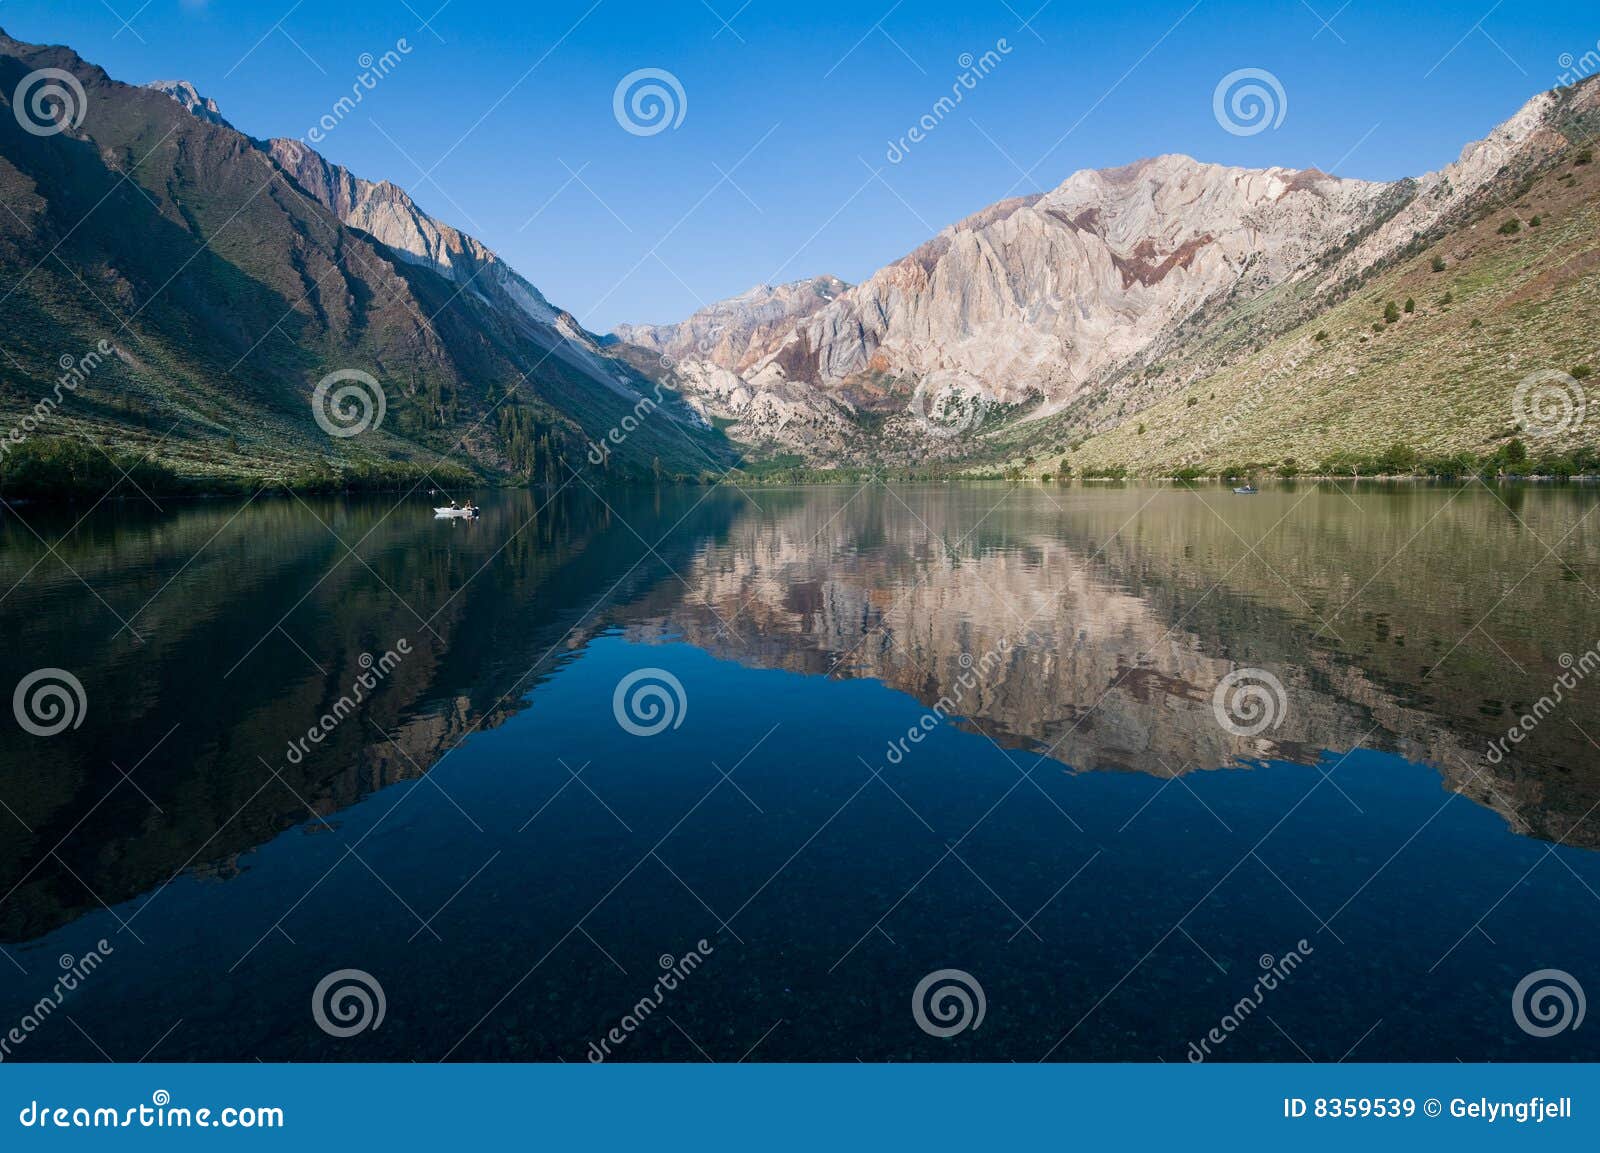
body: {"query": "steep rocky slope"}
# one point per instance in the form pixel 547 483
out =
pixel 225 289
pixel 1065 314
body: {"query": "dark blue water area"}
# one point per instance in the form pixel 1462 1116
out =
pixel 519 900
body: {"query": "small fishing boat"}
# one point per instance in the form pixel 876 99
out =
pixel 1246 490
pixel 463 512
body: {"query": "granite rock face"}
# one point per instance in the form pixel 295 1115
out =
pixel 1039 300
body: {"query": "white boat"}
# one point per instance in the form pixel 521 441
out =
pixel 462 511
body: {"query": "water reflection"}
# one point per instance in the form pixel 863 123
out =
pixel 1075 629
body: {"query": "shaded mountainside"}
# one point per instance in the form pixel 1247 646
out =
pixel 1169 285
pixel 231 276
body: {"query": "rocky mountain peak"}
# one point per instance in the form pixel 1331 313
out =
pixel 187 95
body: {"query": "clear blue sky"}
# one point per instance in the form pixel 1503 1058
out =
pixel 503 102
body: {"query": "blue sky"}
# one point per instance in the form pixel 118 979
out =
pixel 500 118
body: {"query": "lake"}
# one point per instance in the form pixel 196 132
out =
pixel 698 773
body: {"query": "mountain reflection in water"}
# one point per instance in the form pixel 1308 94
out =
pixel 1074 637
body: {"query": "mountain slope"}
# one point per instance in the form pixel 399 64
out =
pixel 1044 320
pixel 228 290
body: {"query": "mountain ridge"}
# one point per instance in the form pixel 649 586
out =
pixel 1068 303
pixel 227 288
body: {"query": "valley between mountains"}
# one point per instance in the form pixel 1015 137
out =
pixel 1165 317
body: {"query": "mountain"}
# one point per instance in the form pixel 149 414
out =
pixel 185 94
pixel 227 277
pixel 1042 321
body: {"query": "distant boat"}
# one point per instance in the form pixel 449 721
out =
pixel 466 512
pixel 1246 490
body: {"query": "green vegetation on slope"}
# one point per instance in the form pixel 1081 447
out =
pixel 1366 387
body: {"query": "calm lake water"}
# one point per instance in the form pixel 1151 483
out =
pixel 612 727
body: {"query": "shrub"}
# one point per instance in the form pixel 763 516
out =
pixel 1411 304
pixel 1192 401
pixel 1321 335
pixel 1581 372
pixel 1391 312
pixel 1584 156
pixel 1438 264
pixel 60 467
pixel 1397 460
pixel 1535 222
pixel 1447 298
pixel 1511 227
